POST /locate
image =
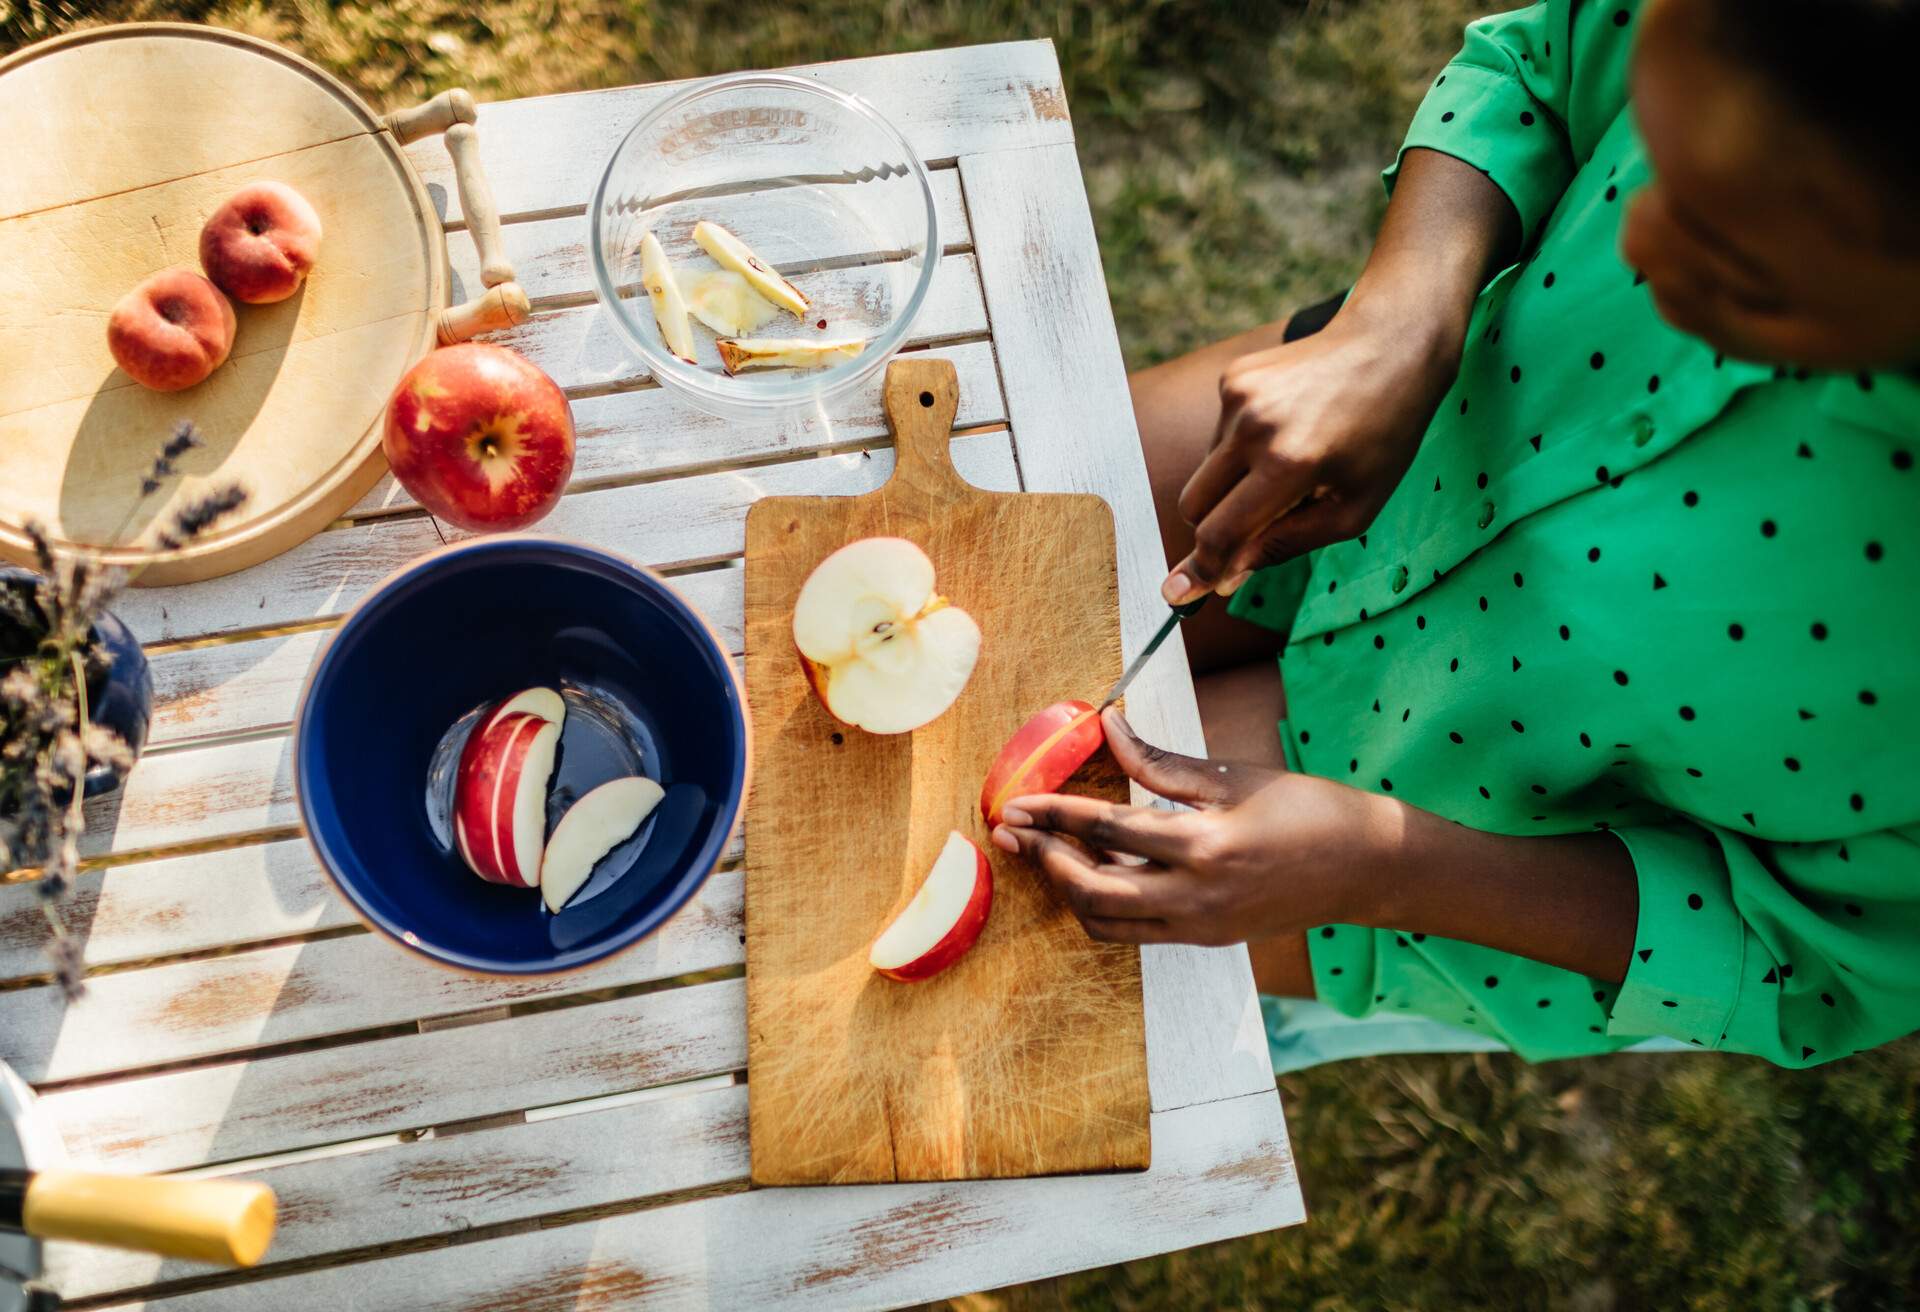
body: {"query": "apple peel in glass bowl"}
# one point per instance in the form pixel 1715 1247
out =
pixel 883 650
pixel 1042 754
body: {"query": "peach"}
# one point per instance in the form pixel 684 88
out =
pixel 171 331
pixel 1042 755
pixel 258 246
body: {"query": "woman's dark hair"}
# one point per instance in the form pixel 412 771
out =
pixel 1850 65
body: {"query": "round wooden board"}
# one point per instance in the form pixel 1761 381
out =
pixel 130 137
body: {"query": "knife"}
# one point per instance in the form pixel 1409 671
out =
pixel 1146 653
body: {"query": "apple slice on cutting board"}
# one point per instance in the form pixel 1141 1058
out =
pixel 945 917
pixel 1041 755
pixel 500 797
pixel 592 827
pixel 882 649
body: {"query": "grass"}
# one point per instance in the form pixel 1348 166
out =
pixel 1231 151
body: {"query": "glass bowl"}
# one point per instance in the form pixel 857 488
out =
pixel 816 182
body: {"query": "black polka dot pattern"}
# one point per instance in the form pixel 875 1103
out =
pixel 1741 693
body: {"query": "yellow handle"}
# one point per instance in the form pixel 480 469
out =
pixel 224 1221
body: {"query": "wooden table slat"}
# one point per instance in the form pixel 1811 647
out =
pixel 668 523
pixel 444 1185
pixel 239 1110
pixel 1066 392
pixel 215 1006
pixel 1219 1170
pixel 545 153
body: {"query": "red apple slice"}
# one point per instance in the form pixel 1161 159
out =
pixel 500 797
pixel 1043 755
pixel 945 917
pixel 592 827
pixel 543 702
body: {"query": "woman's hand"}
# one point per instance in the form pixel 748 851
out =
pixel 1314 437
pixel 1265 852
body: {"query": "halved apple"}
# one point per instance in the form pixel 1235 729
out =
pixel 786 352
pixel 500 797
pixel 727 303
pixel 732 253
pixel 883 650
pixel 669 307
pixel 1041 755
pixel 943 920
pixel 592 827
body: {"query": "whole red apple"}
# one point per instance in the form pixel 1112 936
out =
pixel 171 331
pixel 258 246
pixel 480 437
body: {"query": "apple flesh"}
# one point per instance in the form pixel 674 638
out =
pixel 260 245
pixel 480 437
pixel 543 702
pixel 731 253
pixel 171 331
pixel 1042 755
pixel 943 920
pixel 727 303
pixel 883 651
pixel 591 828
pixel 663 289
pixel 500 797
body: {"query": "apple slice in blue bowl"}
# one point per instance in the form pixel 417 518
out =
pixel 597 666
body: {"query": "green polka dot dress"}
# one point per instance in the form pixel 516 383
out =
pixel 1629 585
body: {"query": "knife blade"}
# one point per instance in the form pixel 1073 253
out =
pixel 1139 662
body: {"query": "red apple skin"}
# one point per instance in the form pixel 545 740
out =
pixel 259 245
pixel 954 944
pixel 480 437
pixel 171 331
pixel 1076 734
pixel 494 752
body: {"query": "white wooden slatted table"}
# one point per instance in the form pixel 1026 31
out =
pixel 444 1142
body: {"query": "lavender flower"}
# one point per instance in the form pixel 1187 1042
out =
pixel 48 656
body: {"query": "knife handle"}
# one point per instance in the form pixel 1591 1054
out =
pixel 1192 606
pixel 225 1221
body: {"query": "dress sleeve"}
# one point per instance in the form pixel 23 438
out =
pixel 1795 952
pixel 1527 98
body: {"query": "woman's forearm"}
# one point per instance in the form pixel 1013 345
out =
pixel 1447 230
pixel 1571 901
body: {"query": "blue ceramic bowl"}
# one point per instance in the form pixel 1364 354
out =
pixel 474 623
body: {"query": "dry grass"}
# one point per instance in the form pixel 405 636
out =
pixel 1231 150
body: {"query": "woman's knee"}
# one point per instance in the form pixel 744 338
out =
pixel 1282 967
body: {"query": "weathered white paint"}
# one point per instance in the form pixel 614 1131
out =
pixel 546 153
pixel 1219 1170
pixel 271 1105
pixel 666 523
pixel 1073 426
pixel 215 1006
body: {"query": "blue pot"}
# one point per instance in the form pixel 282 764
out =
pixel 120 700
pixel 467 625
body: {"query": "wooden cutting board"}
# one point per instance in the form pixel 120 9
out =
pixel 1028 1057
pixel 120 142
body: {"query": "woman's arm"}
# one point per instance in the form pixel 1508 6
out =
pixel 1268 853
pixel 1325 427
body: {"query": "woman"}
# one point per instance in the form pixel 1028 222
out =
pixel 1602 707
